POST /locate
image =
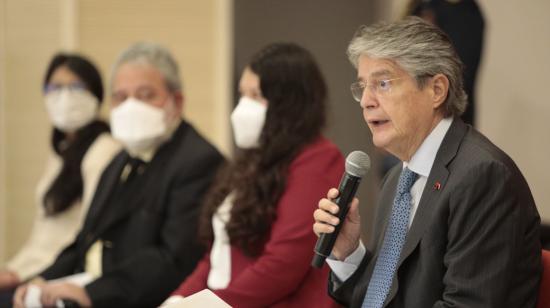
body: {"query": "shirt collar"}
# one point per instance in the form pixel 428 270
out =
pixel 422 161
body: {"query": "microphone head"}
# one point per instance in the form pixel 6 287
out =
pixel 357 163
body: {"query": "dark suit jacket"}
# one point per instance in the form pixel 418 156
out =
pixel 149 230
pixel 473 243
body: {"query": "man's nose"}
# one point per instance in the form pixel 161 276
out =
pixel 369 99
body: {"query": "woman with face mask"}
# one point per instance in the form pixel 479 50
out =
pixel 81 149
pixel 256 218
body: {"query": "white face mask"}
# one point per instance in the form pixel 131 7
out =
pixel 70 110
pixel 138 125
pixel 248 120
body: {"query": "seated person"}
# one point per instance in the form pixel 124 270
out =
pixel 258 214
pixel 456 224
pixel 81 148
pixel 138 239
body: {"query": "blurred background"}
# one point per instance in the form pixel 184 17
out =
pixel 213 40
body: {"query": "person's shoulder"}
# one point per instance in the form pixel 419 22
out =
pixel 481 167
pixel 106 143
pixel 320 147
pixel 479 158
pixel 102 150
pixel 479 150
pixel 191 137
pixel 193 147
pixel 321 154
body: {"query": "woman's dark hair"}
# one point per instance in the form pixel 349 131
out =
pixel 67 187
pixel 293 85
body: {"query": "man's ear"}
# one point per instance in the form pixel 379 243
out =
pixel 440 89
pixel 179 99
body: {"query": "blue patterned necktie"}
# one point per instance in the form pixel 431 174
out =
pixel 386 264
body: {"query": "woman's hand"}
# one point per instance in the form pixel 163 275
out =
pixel 8 279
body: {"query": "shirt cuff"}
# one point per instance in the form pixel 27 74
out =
pixel 344 269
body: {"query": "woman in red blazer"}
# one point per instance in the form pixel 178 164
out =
pixel 257 218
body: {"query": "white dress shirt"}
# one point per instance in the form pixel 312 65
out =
pixel 421 163
pixel 220 254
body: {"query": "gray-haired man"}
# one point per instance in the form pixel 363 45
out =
pixel 456 225
pixel 138 240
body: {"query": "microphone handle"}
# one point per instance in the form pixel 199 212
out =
pixel 69 303
pixel 347 189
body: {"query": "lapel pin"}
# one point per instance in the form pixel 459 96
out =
pixel 437 186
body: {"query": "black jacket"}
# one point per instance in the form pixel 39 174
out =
pixel 474 240
pixel 148 228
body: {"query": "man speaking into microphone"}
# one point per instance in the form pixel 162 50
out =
pixel 456 225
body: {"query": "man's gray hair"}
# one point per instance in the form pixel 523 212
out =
pixel 155 55
pixel 420 48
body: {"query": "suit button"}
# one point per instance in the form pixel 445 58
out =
pixel 108 244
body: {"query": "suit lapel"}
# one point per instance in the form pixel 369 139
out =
pixel 135 196
pixel 105 189
pixel 439 173
pixel 438 177
pixel 128 200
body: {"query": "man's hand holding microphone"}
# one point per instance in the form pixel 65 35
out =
pixel 339 212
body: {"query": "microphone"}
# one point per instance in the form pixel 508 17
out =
pixel 357 165
pixel 69 303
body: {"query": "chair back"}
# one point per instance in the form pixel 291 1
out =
pixel 544 290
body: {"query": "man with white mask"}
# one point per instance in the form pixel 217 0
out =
pixel 138 240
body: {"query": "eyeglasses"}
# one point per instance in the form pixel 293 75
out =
pixel 145 94
pixel 378 87
pixel 75 86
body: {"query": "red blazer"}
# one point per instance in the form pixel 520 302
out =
pixel 282 275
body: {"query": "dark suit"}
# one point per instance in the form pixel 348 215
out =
pixel 474 242
pixel 147 224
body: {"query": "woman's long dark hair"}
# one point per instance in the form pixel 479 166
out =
pixel 293 85
pixel 68 186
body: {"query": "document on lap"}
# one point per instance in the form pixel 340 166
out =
pixel 204 298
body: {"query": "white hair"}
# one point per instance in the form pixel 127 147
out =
pixel 155 55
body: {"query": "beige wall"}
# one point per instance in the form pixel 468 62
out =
pixel 190 29
pixel 2 130
pixel 514 74
pixel 513 104
pixel 513 108
pixel 31 36
pixel 197 32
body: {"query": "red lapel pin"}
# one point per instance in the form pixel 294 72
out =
pixel 437 186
